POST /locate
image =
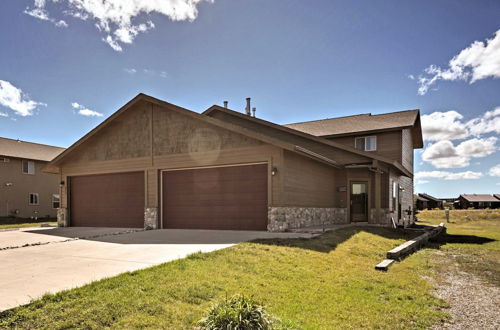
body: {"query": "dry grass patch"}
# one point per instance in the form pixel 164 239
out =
pixel 473 241
pixel 467 267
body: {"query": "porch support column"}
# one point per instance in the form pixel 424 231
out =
pixel 377 201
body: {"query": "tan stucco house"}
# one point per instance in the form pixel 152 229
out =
pixel 156 165
pixel 25 190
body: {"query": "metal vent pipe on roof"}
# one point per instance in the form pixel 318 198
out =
pixel 248 108
pixel 225 104
pixel 253 111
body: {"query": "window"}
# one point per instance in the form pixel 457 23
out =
pixel 33 199
pixel 55 201
pixel 367 143
pixel 28 167
pixel 4 160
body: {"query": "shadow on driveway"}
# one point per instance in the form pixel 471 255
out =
pixel 165 236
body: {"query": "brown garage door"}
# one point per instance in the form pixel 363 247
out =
pixel 232 197
pixel 107 200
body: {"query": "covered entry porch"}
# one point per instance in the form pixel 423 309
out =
pixel 372 193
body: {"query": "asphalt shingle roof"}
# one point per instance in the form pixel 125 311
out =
pixel 358 123
pixel 479 198
pixel 28 150
pixel 429 197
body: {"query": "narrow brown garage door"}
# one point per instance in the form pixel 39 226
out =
pixel 232 197
pixel 107 200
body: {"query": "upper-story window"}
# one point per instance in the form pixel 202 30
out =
pixel 28 167
pixel 4 160
pixel 367 143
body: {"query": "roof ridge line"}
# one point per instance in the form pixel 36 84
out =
pixel 315 120
pixel 361 114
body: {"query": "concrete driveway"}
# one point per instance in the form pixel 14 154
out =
pixel 35 262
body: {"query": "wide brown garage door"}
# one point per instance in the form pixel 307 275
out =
pixel 107 200
pixel 233 197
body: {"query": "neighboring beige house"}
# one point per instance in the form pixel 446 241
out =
pixel 25 190
pixel 156 165
pixel 477 201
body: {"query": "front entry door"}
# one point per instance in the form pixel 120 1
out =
pixel 359 202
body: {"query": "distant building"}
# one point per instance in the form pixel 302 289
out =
pixel 497 204
pixel 25 191
pixel 421 203
pixel 477 201
pixel 425 201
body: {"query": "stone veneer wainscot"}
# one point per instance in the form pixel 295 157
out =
pixel 283 218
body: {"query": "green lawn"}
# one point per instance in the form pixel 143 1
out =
pixel 25 225
pixel 322 283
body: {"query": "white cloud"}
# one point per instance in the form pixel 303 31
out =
pixel 477 148
pixel 4 114
pixel 444 154
pixel 480 60
pixel 82 110
pixel 39 12
pixel 449 125
pixel 495 170
pixel 112 43
pixel 130 71
pixel 443 125
pixel 422 181
pixel 493 113
pixel 489 123
pixel 149 72
pixel 115 17
pixel 14 98
pixel 449 175
pixel 88 112
pixel 161 74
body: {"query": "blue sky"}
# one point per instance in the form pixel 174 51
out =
pixel 61 65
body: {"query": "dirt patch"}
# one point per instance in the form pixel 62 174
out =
pixel 474 303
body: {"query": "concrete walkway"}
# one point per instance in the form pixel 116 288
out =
pixel 64 262
pixel 11 239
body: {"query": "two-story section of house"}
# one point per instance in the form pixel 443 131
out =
pixel 392 135
pixel 26 191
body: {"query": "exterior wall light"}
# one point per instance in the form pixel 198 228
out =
pixel 401 189
pixel 274 171
pixel 8 184
pixel 61 184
